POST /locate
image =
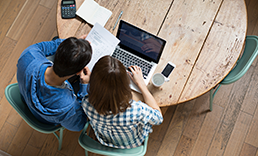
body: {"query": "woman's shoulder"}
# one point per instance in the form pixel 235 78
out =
pixel 86 105
pixel 137 103
pixel 142 107
pixel 139 106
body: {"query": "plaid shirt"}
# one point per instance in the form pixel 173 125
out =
pixel 126 129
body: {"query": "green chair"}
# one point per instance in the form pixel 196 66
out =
pixel 95 147
pixel 242 65
pixel 13 96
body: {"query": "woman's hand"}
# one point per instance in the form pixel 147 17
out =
pixel 136 76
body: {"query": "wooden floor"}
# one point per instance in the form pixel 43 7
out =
pixel 231 129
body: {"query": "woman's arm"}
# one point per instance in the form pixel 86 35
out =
pixel 137 78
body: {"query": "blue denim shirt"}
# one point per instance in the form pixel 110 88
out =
pixel 49 104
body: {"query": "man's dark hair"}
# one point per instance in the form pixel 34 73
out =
pixel 72 56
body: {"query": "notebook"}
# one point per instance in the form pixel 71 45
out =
pixel 138 47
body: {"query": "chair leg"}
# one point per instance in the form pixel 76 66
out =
pixel 211 98
pixel 60 138
pixel 212 94
pixel 86 153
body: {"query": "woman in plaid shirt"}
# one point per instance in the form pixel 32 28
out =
pixel 117 120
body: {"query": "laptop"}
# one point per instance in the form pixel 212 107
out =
pixel 138 47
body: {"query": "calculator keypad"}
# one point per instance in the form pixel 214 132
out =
pixel 68 11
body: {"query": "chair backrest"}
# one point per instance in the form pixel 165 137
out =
pixel 95 147
pixel 13 96
pixel 243 64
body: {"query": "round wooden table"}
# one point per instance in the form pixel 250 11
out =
pixel 204 40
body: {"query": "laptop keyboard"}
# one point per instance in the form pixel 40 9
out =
pixel 128 60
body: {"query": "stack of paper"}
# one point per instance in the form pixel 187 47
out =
pixel 92 13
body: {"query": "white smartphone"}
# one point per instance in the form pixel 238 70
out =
pixel 168 69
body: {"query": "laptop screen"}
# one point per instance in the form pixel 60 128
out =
pixel 140 42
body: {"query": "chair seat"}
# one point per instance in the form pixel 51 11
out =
pixel 242 65
pixel 95 147
pixel 250 53
pixel 13 96
pixel 91 144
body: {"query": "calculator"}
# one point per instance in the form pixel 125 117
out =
pixel 68 9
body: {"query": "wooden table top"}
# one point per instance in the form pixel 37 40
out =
pixel 204 40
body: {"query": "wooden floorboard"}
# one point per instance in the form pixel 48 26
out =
pixel 9 16
pixel 188 128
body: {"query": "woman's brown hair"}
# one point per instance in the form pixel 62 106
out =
pixel 109 90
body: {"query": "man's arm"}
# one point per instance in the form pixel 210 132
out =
pixel 84 80
pixel 42 49
pixel 49 47
pixel 76 121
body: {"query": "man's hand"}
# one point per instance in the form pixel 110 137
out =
pixel 85 75
pixel 83 36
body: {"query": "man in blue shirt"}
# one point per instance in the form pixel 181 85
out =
pixel 44 85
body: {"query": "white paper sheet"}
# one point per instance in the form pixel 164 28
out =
pixel 102 43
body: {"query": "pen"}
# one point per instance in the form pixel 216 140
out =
pixel 118 19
